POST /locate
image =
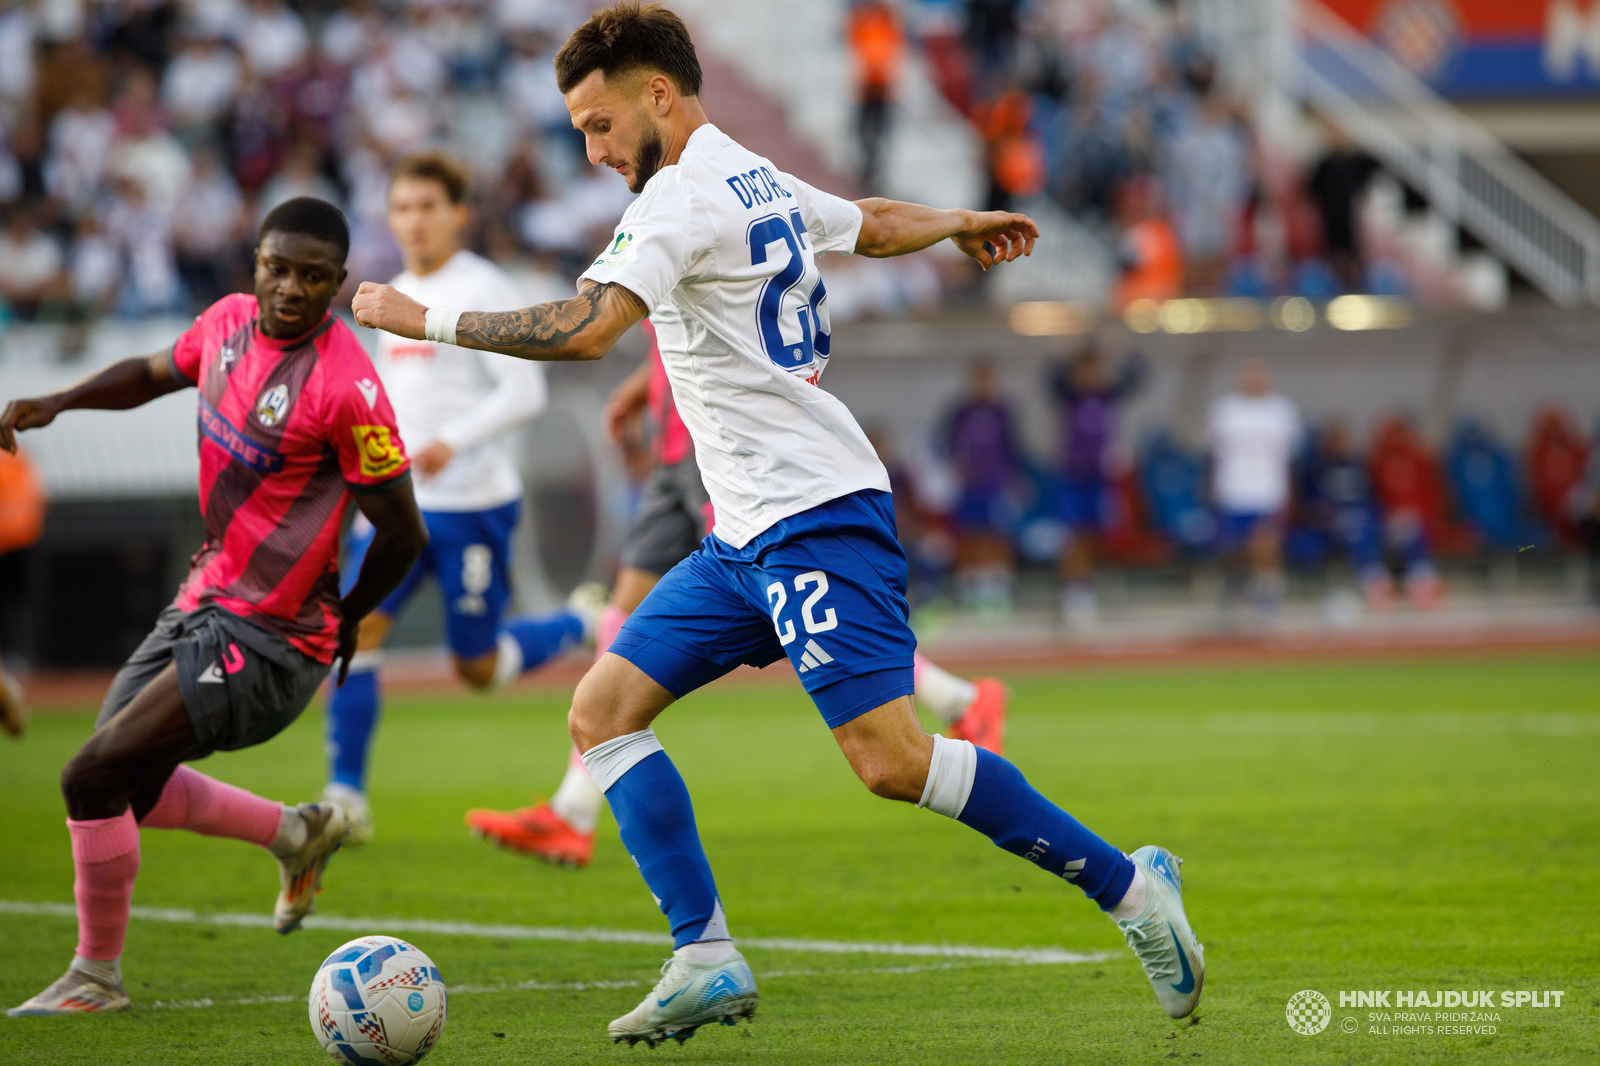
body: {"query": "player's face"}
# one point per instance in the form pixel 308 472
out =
pixel 620 123
pixel 425 224
pixel 297 277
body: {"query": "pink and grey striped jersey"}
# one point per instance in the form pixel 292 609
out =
pixel 288 429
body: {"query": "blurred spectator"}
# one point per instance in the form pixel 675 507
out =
pixel 142 229
pixel 876 43
pixel 1152 262
pixel 1336 183
pixel 71 70
pixel 1411 491
pixel 939 26
pixel 144 151
pixel 273 38
pixel 992 33
pixel 1341 507
pixel 300 175
pixel 209 229
pixel 1254 433
pixel 32 267
pixel 96 269
pixel 1088 397
pixel 349 32
pixel 1207 177
pixel 982 446
pixel 200 83
pixel 22 509
pixel 1583 507
pixel 81 136
pixel 16 54
pixel 928 545
pixel 1016 158
pixel 1557 454
pixel 1090 161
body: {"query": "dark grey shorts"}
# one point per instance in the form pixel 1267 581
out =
pixel 674 517
pixel 241 684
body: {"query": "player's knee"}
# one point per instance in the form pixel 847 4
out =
pixel 477 673
pixel 891 777
pixel 82 782
pixel 373 632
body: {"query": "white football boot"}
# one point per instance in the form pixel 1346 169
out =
pixel 587 601
pixel 357 812
pixel 689 995
pixel 75 992
pixel 300 874
pixel 1160 936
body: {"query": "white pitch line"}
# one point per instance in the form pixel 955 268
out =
pixel 180 916
pixel 577 986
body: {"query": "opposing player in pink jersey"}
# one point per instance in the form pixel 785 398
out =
pixel 674 516
pixel 293 422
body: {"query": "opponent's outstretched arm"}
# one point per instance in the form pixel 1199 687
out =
pixel 893 227
pixel 122 385
pixel 398 538
pixel 583 327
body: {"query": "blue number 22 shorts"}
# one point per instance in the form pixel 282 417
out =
pixel 826 587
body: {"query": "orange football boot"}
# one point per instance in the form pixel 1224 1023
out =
pixel 985 721
pixel 537 831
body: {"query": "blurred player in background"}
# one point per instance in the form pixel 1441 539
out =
pixel 1088 398
pixel 980 437
pixel 293 422
pixel 22 507
pixel 1254 433
pixel 720 251
pixel 674 516
pixel 454 405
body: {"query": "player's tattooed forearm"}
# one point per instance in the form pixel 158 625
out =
pixel 543 329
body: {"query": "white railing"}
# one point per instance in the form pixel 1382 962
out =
pixel 1467 175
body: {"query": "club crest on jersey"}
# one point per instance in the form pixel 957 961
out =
pixel 620 251
pixel 379 449
pixel 273 405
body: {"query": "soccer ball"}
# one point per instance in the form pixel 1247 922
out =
pixel 377 1001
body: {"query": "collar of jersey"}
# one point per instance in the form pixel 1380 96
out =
pixel 262 340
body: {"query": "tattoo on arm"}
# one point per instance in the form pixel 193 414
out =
pixel 544 331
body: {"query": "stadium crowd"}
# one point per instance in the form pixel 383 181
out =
pixel 142 141
pixel 1122 119
pixel 1263 493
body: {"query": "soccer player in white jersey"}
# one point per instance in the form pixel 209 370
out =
pixel 719 250
pixel 1254 433
pixel 454 405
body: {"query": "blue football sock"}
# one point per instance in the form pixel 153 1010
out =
pixel 653 812
pixel 1006 809
pixel 543 637
pixel 351 717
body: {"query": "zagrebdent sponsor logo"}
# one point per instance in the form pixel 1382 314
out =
pixel 1417 1012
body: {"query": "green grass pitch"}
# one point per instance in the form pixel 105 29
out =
pixel 1427 825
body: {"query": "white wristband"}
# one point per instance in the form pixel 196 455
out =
pixel 439 325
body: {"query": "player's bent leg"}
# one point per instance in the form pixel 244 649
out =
pixel 973 710
pixel 982 790
pixel 350 720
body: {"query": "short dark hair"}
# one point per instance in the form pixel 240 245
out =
pixel 625 37
pixel 312 217
pixel 433 164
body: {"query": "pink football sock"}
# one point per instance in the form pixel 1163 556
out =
pixel 105 860
pixel 205 805
pixel 606 630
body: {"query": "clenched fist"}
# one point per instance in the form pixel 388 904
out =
pixel 385 307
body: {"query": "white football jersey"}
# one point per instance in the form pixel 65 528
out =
pixel 722 248
pixel 462 397
pixel 1253 439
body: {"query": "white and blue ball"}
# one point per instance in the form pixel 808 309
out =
pixel 377 1001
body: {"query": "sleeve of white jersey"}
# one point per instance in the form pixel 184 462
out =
pixel 520 391
pixel 653 246
pixel 833 222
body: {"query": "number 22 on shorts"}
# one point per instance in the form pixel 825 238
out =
pixel 778 597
